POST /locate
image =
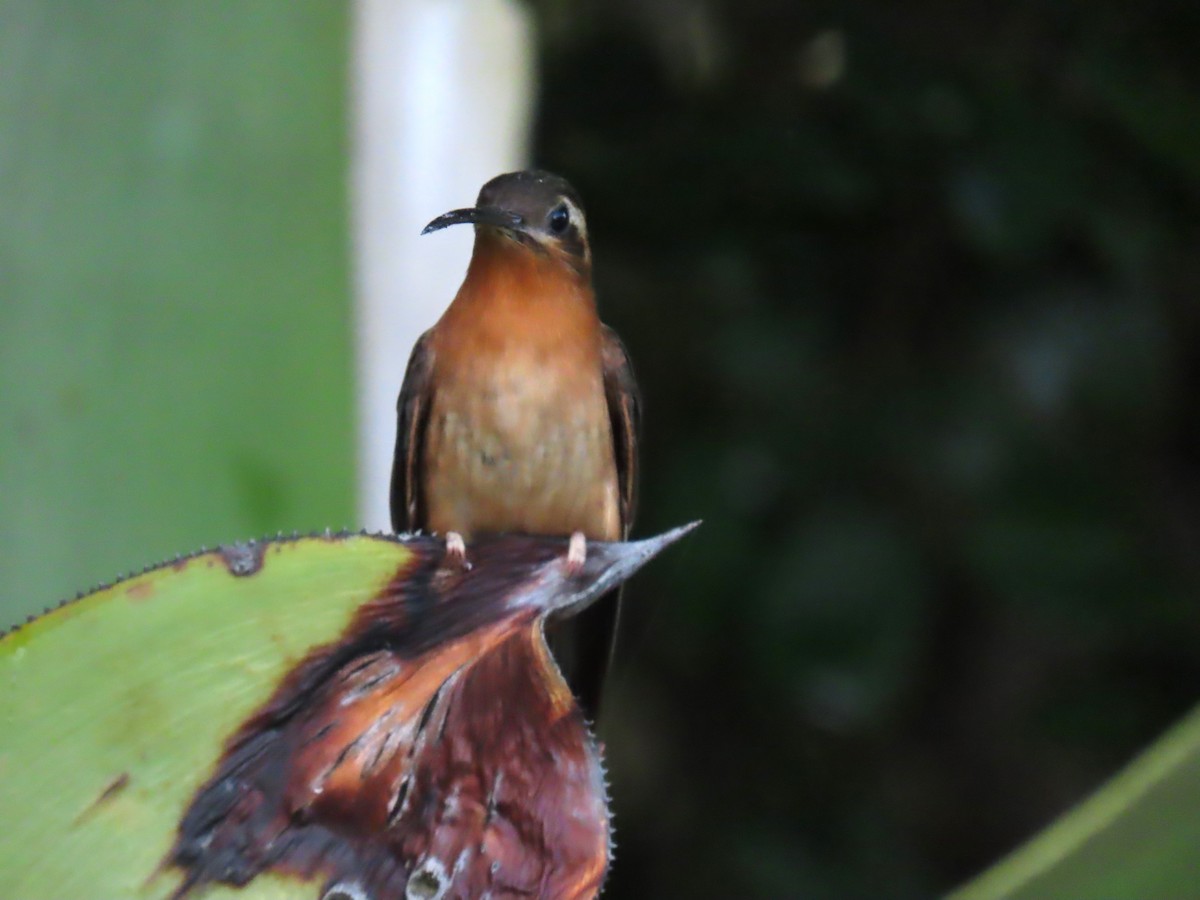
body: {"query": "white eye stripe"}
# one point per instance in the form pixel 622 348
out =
pixel 576 215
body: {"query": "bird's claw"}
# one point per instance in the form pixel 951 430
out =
pixel 576 554
pixel 456 551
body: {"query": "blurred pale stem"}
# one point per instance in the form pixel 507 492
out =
pixel 442 102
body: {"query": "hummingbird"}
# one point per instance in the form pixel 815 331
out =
pixel 519 411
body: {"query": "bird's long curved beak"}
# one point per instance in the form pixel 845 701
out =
pixel 476 215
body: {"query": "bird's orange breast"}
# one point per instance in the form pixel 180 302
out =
pixel 519 437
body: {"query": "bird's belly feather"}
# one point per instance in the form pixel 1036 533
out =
pixel 522 455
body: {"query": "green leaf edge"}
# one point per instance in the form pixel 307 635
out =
pixel 8 634
pixel 1090 818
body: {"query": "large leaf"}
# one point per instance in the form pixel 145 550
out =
pixel 117 707
pixel 1138 837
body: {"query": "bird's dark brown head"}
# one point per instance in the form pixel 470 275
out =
pixel 535 208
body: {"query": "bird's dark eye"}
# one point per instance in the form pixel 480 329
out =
pixel 560 218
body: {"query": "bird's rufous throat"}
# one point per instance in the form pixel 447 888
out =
pixel 519 409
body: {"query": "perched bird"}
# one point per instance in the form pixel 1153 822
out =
pixel 519 411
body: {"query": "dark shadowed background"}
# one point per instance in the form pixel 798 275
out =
pixel 913 294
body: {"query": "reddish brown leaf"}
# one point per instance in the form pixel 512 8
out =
pixel 434 750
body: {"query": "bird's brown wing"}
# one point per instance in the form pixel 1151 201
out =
pixel 592 635
pixel 625 413
pixel 412 413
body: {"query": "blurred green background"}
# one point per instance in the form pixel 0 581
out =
pixel 174 338
pixel 913 292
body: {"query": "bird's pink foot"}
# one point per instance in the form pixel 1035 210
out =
pixel 576 553
pixel 456 551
